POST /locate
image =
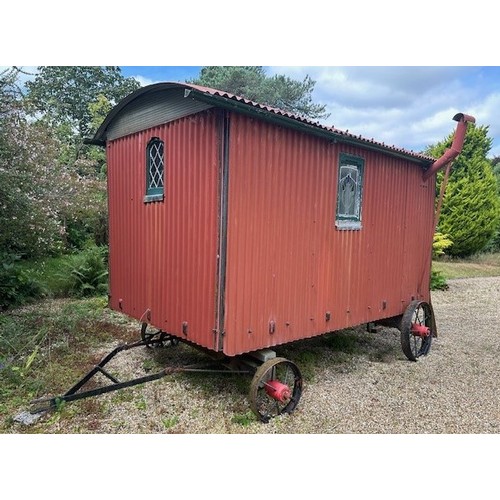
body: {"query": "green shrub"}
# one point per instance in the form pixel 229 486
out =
pixel 86 274
pixel 86 227
pixel 470 213
pixel 440 243
pixel 16 285
pixel 493 245
pixel 438 281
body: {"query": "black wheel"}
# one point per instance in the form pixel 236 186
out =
pixel 148 333
pixel 275 389
pixel 417 330
pixel 156 338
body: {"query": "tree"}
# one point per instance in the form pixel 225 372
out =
pixel 64 93
pixel 252 83
pixel 495 163
pixel 64 96
pixel 71 102
pixel 10 91
pixel 471 206
pixel 46 203
pixel 494 244
pixel 27 154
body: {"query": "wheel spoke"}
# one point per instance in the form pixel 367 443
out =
pixel 263 404
pixel 413 341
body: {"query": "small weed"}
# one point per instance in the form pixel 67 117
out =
pixel 307 361
pixel 244 419
pixel 149 365
pixel 168 423
pixel 141 404
pixel 123 396
pixel 54 418
pixel 343 341
pixel 60 404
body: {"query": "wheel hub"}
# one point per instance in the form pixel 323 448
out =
pixel 279 391
pixel 420 330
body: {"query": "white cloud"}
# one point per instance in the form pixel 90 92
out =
pixel 487 112
pixel 144 81
pixel 410 107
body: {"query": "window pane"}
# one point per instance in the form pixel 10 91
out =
pixel 155 165
pixel 348 189
pixel 349 192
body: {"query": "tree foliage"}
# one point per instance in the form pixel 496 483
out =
pixel 10 92
pixel 64 93
pixel 51 200
pixel 25 223
pixel 471 205
pixel 494 244
pixel 440 243
pixel 69 98
pixel 495 163
pixel 28 179
pixel 252 83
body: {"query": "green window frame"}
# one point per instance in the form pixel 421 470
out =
pixel 349 192
pixel 155 170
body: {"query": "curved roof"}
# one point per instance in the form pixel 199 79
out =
pixel 219 98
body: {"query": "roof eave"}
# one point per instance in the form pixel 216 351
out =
pixel 332 135
pixel 251 109
pixel 99 138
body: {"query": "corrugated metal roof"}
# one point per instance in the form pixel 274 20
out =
pixel 153 109
pixel 221 98
pixel 310 122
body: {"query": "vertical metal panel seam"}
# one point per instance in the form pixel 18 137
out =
pixel 223 131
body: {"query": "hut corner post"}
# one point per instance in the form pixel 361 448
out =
pixel 456 147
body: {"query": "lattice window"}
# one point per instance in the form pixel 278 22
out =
pixel 155 170
pixel 349 195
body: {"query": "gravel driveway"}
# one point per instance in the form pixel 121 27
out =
pixel 371 388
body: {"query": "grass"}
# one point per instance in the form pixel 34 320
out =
pixel 77 275
pixel 46 346
pixel 479 266
pixel 244 419
pixel 48 272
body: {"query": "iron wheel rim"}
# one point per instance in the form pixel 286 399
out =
pixel 420 314
pixel 284 371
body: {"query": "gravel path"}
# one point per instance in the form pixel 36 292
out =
pixel 373 389
pixel 456 389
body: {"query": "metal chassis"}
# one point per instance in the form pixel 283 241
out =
pixel 74 394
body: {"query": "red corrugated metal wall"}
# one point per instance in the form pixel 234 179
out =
pixel 288 265
pixel 163 255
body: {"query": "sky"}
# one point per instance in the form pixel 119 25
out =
pixel 397 75
pixel 406 106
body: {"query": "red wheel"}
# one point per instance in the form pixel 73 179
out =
pixel 417 330
pixel 275 389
